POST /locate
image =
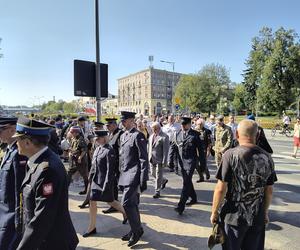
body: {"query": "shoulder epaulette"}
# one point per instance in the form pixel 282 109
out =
pixel 44 165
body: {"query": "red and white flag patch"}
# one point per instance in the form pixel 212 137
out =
pixel 47 189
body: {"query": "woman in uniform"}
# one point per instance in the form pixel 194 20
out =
pixel 102 174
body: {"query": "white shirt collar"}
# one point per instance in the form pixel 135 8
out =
pixel 33 158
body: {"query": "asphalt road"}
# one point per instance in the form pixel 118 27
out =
pixel 164 229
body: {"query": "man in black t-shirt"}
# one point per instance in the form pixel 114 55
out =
pixel 246 176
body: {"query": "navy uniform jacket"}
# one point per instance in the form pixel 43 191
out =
pixel 189 149
pixel 12 172
pixel 134 163
pixel 104 161
pixel 114 141
pixel 46 218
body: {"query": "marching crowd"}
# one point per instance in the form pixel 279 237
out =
pixel 115 158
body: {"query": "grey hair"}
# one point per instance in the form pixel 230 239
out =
pixel 155 124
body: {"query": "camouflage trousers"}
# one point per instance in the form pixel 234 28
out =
pixel 81 167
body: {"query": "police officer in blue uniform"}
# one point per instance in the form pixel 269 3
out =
pixel 46 220
pixel 12 172
pixel 190 152
pixel 134 168
pixel 103 179
pixel 114 140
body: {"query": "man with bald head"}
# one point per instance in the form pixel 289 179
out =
pixel 245 178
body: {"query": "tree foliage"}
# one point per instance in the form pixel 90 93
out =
pixel 60 106
pixel 238 102
pixel 273 70
pixel 203 91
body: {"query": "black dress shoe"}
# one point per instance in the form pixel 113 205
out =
pixel 156 196
pixel 110 210
pixel 127 236
pixel 200 180
pixel 85 235
pixel 164 184
pixel 84 205
pixel 82 192
pixel 135 237
pixel 190 203
pixel 207 176
pixel 179 211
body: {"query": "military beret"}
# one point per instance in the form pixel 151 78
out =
pixel 100 133
pixel 75 129
pixel 126 115
pixel 251 117
pixel 26 126
pixel 185 120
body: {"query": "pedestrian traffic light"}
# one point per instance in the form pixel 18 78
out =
pixel 85 78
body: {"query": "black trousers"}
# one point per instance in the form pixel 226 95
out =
pixel 116 187
pixel 244 237
pixel 130 202
pixel 188 190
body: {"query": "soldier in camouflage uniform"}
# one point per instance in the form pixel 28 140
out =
pixel 223 139
pixel 78 157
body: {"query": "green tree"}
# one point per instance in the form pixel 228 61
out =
pixel 53 107
pixel 69 107
pixel 238 102
pixel 273 70
pixel 203 91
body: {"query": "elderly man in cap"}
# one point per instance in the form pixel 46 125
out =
pixel 133 174
pixel 78 157
pixel 46 220
pixel 223 139
pixel 245 176
pixel 12 173
pixel 84 128
pixel 190 151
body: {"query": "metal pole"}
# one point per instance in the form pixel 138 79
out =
pixel 98 78
pixel 173 86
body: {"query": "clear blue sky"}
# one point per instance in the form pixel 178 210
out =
pixel 42 38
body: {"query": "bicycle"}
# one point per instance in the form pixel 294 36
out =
pixel 282 130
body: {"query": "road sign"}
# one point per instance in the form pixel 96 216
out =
pixel 177 107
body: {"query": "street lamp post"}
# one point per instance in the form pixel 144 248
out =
pixel 173 82
pixel 98 78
